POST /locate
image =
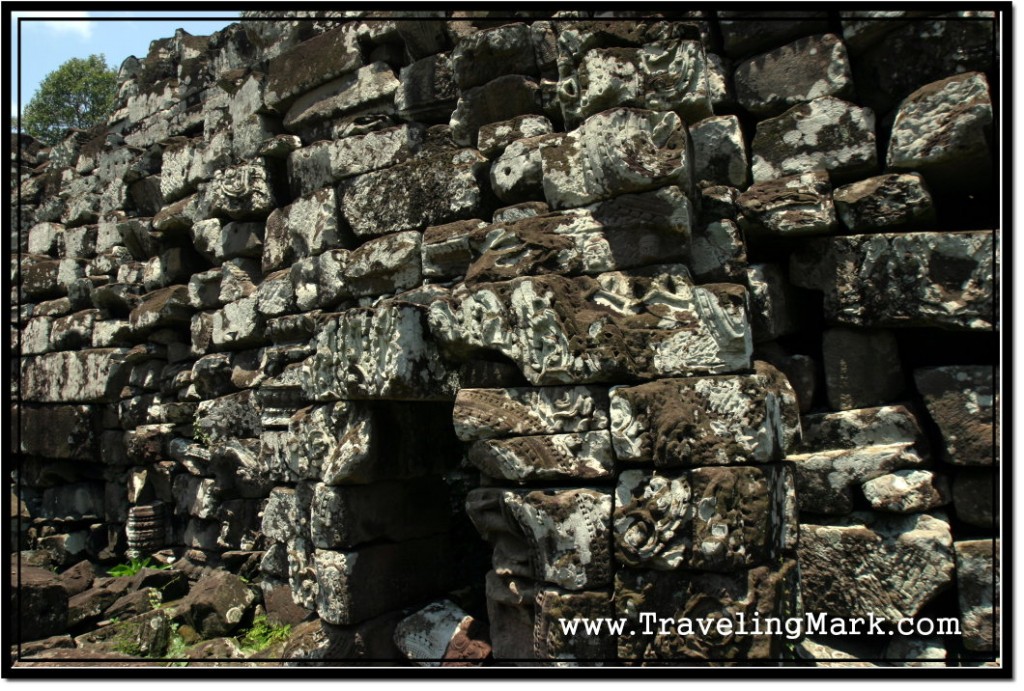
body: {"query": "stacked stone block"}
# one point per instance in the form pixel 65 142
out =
pixel 664 278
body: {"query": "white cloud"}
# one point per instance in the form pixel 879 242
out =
pixel 82 28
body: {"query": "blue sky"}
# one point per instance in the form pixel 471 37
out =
pixel 52 38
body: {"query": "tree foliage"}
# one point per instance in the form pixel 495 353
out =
pixel 80 93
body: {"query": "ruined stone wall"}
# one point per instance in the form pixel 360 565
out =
pixel 532 317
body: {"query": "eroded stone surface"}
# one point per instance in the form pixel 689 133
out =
pixel 705 421
pixel 977 578
pixel 708 519
pixel 961 401
pixel 576 456
pixel 870 563
pixel 558 536
pixel 920 279
pixel 899 200
pixel 826 133
pixel 625 150
pixel 493 413
pixel 560 330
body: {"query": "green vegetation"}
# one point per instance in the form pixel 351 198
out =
pixel 262 634
pixel 176 648
pixel 134 566
pixel 80 93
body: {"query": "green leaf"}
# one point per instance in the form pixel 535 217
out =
pixel 80 94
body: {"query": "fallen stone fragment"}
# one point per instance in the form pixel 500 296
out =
pixel 793 205
pixel 614 152
pixel 795 73
pixel 577 456
pixel 700 421
pixel 886 566
pixel 942 280
pixel 690 597
pixel 442 634
pixel 494 413
pixel 907 491
pixel 705 331
pixel 557 536
pixel 708 519
pixel 40 601
pixel 978 589
pixel 825 133
pixel 960 400
pixel 886 202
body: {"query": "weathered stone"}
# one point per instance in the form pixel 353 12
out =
pixel 319 643
pixel 886 566
pixel 662 75
pixel 907 491
pixel 385 265
pixel 369 89
pixel 517 174
pixel 84 376
pixel 940 280
pixel 578 456
pixel 427 91
pixel 500 99
pixel 709 519
pixel 704 330
pixel 311 63
pixel 825 133
pixel 942 131
pixel 382 352
pixel 46 238
pixel 794 205
pixel 795 73
pixel 143 636
pixel 862 367
pixel 242 192
pixel 625 232
pixel 914 53
pixel 237 325
pixel 718 252
pixel 344 517
pixel 495 137
pixel 356 586
pixel 977 581
pixel 617 151
pixel 557 536
pixel 886 202
pixel 40 601
pixel 485 55
pixel 58 431
pixel 516 212
pixel 845 449
pixel 218 603
pixel 325 162
pixel 719 152
pixel 493 413
pixel 689 598
pixel 415 194
pixel 442 634
pixel 960 400
pixel 704 420
pixel 975 498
